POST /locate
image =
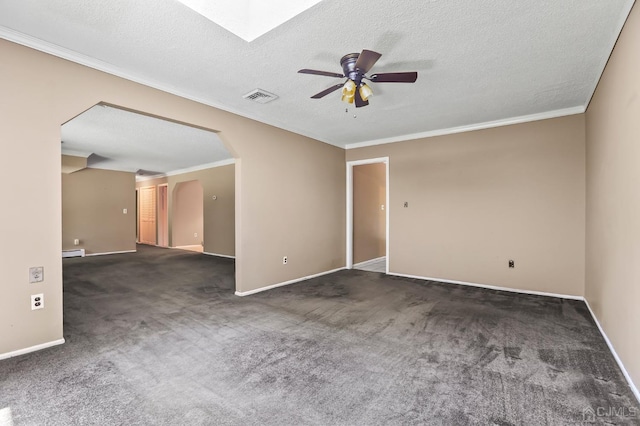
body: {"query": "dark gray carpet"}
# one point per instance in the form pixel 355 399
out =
pixel 157 337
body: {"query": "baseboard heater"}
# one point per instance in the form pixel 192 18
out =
pixel 73 253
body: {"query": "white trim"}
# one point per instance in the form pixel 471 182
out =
pixel 188 247
pixel 61 52
pixel 349 242
pixel 633 387
pixel 471 127
pixel 151 177
pixel 110 252
pixel 388 208
pixel 31 349
pixel 605 59
pixel 491 287
pixel 73 253
pixel 269 287
pixel 368 262
pixel 52 49
pixel 213 165
pixel 218 255
pixel 72 153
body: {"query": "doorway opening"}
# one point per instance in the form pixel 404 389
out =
pixel 368 214
pixel 188 216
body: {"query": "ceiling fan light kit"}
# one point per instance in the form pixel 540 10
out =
pixel 349 91
pixel 355 67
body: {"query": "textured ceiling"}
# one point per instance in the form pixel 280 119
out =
pixel 478 61
pixel 115 139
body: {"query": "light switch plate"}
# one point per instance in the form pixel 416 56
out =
pixel 36 274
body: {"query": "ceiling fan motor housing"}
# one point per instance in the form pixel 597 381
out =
pixel 348 63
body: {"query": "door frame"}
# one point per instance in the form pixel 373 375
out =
pixel 350 165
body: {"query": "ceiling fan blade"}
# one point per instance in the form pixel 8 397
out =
pixel 359 101
pixel 325 73
pixel 327 91
pixel 395 77
pixel 366 60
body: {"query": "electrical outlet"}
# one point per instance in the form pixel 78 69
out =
pixel 36 274
pixel 124 211
pixel 512 264
pixel 284 260
pixel 195 235
pixel 37 301
pixel 76 242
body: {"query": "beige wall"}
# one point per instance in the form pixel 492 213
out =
pixel 290 192
pixel 151 182
pixel 72 163
pixel 187 219
pixel 219 214
pixel 480 198
pixel 613 198
pixel 92 205
pixel 369 219
pixel 290 217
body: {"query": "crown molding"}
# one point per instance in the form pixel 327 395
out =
pixel 73 153
pixel 605 61
pixel 188 170
pixel 201 167
pixel 70 55
pixel 97 64
pixel 471 127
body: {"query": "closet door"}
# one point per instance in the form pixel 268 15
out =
pixel 148 215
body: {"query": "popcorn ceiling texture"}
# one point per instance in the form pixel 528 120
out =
pixel 126 141
pixel 478 61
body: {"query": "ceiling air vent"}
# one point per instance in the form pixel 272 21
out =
pixel 260 96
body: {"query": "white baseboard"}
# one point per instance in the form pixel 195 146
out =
pixel 368 262
pixel 188 247
pixel 218 255
pixel 110 252
pixel 492 287
pixel 269 287
pixel 632 385
pixel 31 349
pixel 73 253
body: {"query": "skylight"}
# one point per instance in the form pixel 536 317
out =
pixel 249 19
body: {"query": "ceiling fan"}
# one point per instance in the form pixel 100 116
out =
pixel 355 66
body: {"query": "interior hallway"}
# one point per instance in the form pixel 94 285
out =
pixel 158 337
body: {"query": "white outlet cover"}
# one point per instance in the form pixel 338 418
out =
pixel 36 274
pixel 124 211
pixel 37 301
